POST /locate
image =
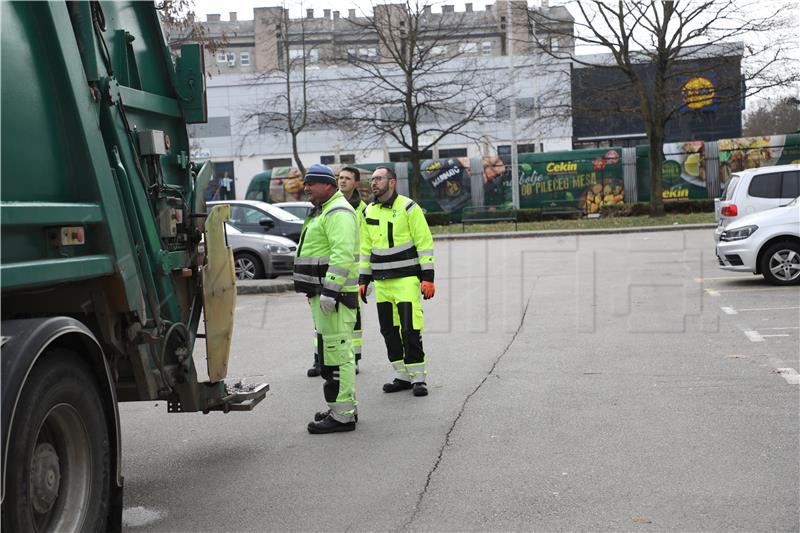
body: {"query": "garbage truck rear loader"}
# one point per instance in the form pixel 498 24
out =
pixel 103 289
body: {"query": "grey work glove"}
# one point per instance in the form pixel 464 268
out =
pixel 327 304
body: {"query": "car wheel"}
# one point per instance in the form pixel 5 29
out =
pixel 247 266
pixel 780 263
pixel 60 477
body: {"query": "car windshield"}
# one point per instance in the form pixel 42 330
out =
pixel 732 186
pixel 277 212
pixel 271 210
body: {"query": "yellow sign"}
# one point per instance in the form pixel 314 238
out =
pixel 698 92
pixel 564 167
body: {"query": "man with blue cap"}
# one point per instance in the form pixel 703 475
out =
pixel 326 270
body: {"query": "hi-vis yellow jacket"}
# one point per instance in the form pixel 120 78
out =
pixel 396 241
pixel 328 250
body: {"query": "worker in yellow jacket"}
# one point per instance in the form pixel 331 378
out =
pixel 397 254
pixel 326 270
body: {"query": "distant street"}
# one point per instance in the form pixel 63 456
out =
pixel 616 382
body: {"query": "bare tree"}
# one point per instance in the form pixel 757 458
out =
pixel 774 118
pixel 653 45
pixel 289 109
pixel 417 86
pixel 178 20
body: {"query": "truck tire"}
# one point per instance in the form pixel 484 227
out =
pixel 247 266
pixel 780 263
pixel 58 476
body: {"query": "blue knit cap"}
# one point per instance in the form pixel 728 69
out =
pixel 317 173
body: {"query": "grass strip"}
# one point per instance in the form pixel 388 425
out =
pixel 583 223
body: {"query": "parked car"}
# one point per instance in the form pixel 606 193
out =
pixel 298 209
pixel 258 256
pixel 754 190
pixel 766 243
pixel 252 216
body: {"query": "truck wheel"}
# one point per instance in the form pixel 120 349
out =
pixel 247 266
pixel 58 476
pixel 780 263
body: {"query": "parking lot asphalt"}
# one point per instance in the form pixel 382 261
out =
pixel 284 283
pixel 603 383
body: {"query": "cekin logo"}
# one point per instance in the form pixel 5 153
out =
pixel 698 92
pixel 561 168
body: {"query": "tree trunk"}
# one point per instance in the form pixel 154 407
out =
pixel 414 180
pixel 656 139
pixel 296 154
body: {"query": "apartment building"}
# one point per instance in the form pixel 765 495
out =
pixel 240 77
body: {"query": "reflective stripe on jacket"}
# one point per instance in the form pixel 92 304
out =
pixel 396 241
pixel 327 254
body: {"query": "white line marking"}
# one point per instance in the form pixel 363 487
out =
pixel 768 309
pixel 729 310
pixel 754 336
pixel 776 335
pixel 787 327
pixel 790 375
pixel 712 292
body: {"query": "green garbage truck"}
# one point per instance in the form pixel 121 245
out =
pixel 111 267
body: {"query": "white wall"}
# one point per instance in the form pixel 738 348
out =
pixel 547 84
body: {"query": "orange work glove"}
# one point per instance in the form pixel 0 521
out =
pixel 428 290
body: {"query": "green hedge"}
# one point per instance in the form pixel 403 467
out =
pixel 440 218
pixel 643 208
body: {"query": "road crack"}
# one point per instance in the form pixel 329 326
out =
pixel 424 491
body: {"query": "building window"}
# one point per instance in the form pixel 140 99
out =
pixel 344 159
pixel 504 151
pixel 269 164
pixel 486 48
pixel 452 152
pixel 244 59
pixel 468 48
pixel 313 55
pixel 296 53
pixel 231 59
pixel 438 50
pixel 215 127
pixel 401 157
pixel 221 57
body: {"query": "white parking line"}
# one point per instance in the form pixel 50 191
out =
pixel 729 310
pixel 754 336
pixel 790 375
pixel 768 309
pixel 776 335
pixel 712 292
pixel 787 327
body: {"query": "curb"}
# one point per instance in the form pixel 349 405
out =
pixel 568 232
pixel 274 286
pixel 264 286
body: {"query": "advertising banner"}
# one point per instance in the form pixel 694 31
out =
pixel 683 174
pixel 754 152
pixel 582 179
pixel 449 179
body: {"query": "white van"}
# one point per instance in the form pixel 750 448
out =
pixel 754 190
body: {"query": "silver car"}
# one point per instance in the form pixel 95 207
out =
pixel 258 255
pixel 298 209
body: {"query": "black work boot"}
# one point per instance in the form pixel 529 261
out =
pixel 320 415
pixel 420 389
pixel 315 370
pixel 329 425
pixel 396 385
